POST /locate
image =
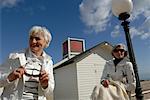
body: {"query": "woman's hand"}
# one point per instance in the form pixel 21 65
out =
pixel 44 79
pixel 18 73
pixel 105 83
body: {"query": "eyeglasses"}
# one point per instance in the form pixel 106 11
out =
pixel 117 50
pixel 33 69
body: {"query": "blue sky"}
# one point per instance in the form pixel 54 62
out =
pixel 91 20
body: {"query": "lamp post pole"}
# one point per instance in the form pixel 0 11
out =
pixel 121 9
pixel 123 17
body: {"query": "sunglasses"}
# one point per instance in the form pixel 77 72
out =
pixel 33 70
pixel 117 50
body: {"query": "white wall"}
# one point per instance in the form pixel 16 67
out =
pixel 89 73
pixel 66 83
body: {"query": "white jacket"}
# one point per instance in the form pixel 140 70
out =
pixel 14 90
pixel 123 72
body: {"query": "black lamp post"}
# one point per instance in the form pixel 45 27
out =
pixel 121 9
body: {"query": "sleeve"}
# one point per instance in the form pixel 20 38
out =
pixel 5 69
pixel 8 66
pixel 131 81
pixel 48 92
pixel 105 74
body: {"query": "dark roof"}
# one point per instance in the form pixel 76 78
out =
pixel 71 60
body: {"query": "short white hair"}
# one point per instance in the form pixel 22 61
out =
pixel 44 30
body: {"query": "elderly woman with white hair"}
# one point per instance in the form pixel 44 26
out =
pixel 30 77
pixel 117 72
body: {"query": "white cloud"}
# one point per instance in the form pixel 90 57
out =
pixel 8 3
pixel 96 14
pixel 116 31
pixel 28 9
pixel 143 31
pixel 141 7
pixel 135 32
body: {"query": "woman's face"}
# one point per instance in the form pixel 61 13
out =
pixel 37 42
pixel 119 52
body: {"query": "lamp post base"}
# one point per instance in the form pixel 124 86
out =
pixel 139 94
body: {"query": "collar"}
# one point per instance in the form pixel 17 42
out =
pixel 31 54
pixel 121 63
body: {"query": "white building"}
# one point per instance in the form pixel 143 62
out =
pixel 76 77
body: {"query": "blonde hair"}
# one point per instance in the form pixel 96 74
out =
pixel 44 30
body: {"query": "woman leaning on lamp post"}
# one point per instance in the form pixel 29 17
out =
pixel 118 79
pixel 119 69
